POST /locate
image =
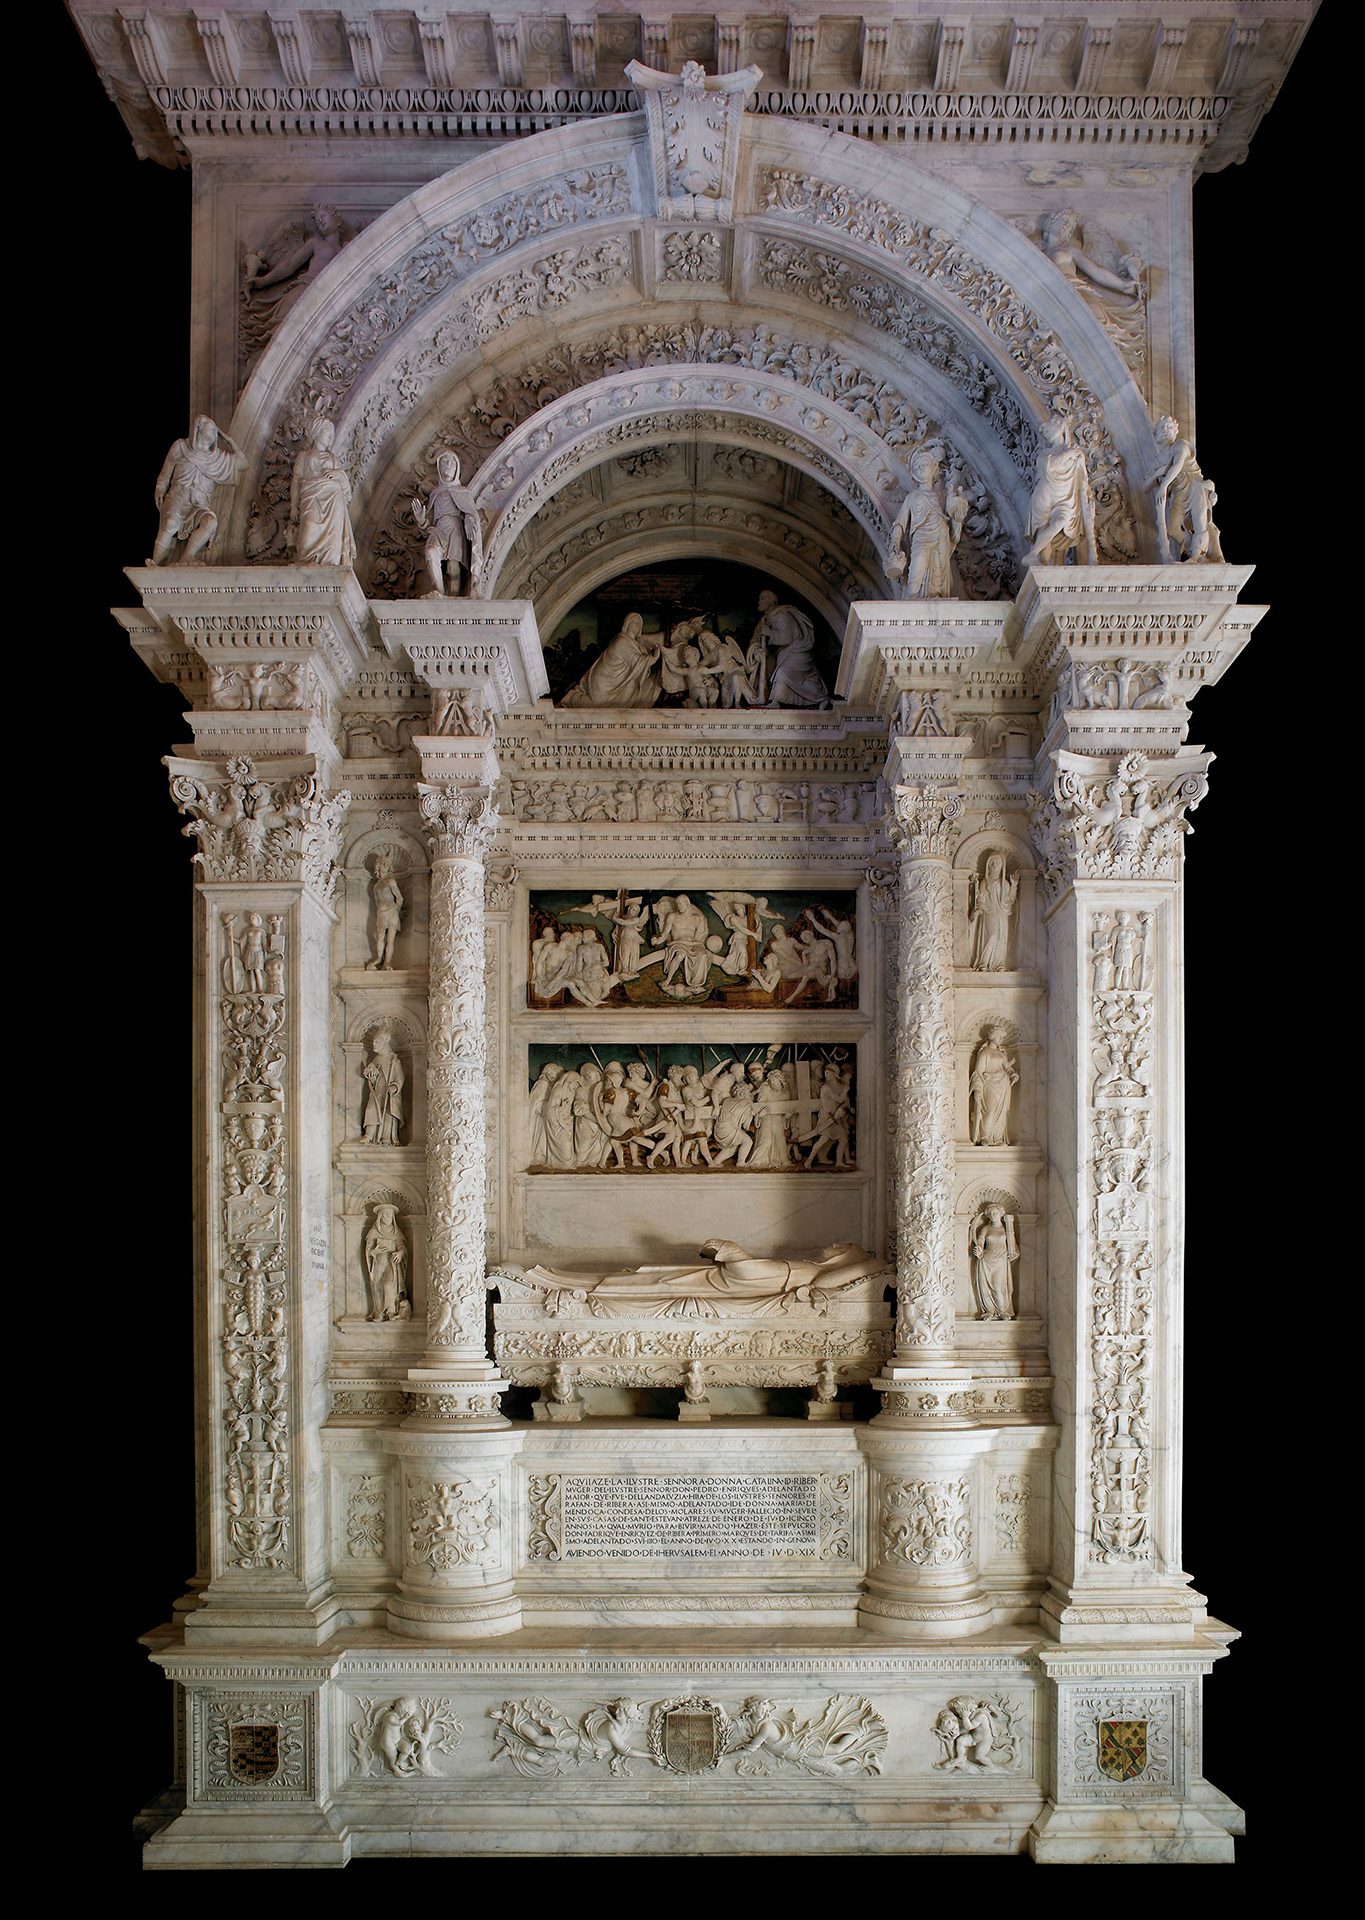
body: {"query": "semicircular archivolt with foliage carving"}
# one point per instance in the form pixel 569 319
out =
pixel 447 279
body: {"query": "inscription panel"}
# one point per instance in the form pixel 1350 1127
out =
pixel 676 1516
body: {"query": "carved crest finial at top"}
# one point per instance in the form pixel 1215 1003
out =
pixel 694 125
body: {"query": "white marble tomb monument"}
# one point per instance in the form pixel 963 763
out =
pixel 689 588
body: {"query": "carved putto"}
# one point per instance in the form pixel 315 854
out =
pixel 975 1735
pixel 401 1736
pixel 190 475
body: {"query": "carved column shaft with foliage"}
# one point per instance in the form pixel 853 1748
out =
pixel 924 830
pixel 459 823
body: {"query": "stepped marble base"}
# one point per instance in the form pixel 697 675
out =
pixel 618 1741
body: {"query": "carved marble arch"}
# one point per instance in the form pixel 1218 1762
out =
pixel 407 1029
pixel 967 855
pixel 411 855
pixel 905 269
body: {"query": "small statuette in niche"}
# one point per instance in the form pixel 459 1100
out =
pixel 993 1080
pixel 388 912
pixel 384 1082
pixel 994 1242
pixel 994 896
pixel 386 1266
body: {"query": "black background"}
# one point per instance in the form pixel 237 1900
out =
pixel 104 325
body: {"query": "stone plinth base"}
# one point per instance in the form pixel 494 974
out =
pixel 1153 1835
pixel 671 1743
pixel 248 1837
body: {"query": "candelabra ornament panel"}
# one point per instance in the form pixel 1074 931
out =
pixel 688 633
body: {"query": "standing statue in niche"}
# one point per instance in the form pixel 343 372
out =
pixel 319 500
pixel 994 895
pixel 388 913
pixel 1061 512
pixel 796 680
pixel 994 1245
pixel 184 487
pixel 384 1081
pixel 386 1267
pixel 1183 499
pixel 450 519
pixel 927 530
pixel 993 1080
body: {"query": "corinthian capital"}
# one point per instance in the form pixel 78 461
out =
pixel 459 822
pixel 924 821
pixel 252 828
pixel 1107 821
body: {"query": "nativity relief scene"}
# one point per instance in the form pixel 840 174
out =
pixel 688 585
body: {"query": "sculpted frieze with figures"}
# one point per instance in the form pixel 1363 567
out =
pixel 721 949
pixel 746 1107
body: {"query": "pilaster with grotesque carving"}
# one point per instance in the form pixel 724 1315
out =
pixel 1109 838
pixel 268 840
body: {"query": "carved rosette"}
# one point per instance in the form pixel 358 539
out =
pixel 459 824
pixel 254 829
pixel 924 830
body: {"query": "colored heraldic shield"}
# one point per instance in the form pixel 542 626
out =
pixel 253 1753
pixel 1123 1748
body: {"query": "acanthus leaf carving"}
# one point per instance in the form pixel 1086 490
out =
pixel 693 1734
pixel 1123 825
pixel 251 828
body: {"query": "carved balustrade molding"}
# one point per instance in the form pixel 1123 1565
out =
pixel 924 830
pixel 267 856
pixel 459 824
pixel 1108 833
